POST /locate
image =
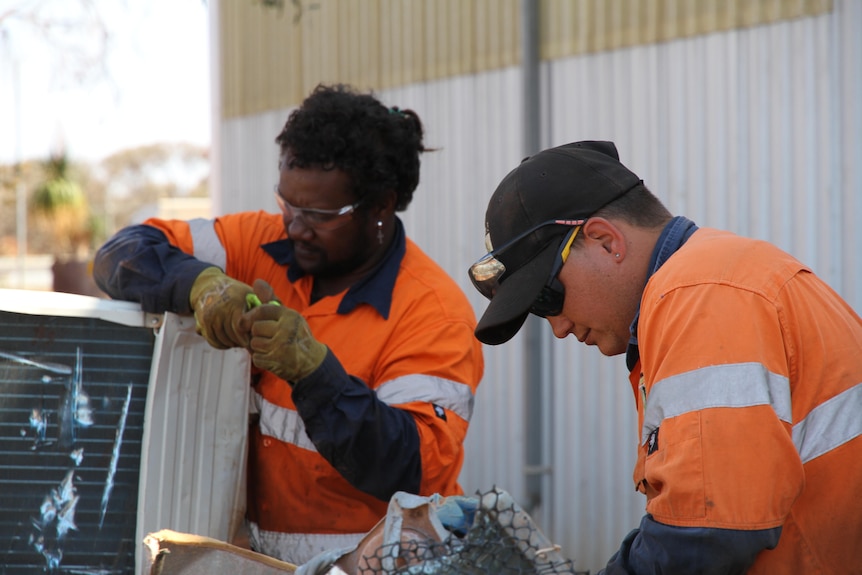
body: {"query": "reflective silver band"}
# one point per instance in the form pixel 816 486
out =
pixel 826 427
pixel 451 395
pixel 829 425
pixel 208 248
pixel 281 423
pixel 286 425
pixel 733 385
pixel 298 548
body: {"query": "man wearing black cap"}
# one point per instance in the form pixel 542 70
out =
pixel 747 368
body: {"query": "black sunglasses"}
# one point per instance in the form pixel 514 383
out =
pixel 549 302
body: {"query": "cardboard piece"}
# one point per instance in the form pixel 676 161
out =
pixel 169 552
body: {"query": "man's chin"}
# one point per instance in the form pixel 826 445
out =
pixel 308 261
pixel 609 350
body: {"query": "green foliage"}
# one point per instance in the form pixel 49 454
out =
pixel 57 195
pixel 59 209
pixel 73 207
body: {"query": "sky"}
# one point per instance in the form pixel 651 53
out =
pixel 156 87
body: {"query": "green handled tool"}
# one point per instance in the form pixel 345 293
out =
pixel 252 301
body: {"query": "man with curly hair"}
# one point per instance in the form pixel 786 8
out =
pixel 365 364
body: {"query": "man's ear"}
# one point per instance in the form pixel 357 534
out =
pixel 606 235
pixel 386 205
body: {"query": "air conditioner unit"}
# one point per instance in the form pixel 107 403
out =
pixel 114 424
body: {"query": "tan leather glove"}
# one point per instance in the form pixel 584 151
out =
pixel 219 302
pixel 281 341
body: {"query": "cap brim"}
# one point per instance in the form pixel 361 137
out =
pixel 510 306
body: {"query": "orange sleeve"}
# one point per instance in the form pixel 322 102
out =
pixel 717 421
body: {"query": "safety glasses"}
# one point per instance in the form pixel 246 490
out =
pixel 549 302
pixel 485 274
pixel 317 219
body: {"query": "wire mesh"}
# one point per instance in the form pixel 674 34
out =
pixel 500 538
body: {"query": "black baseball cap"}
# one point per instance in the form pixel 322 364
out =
pixel 571 182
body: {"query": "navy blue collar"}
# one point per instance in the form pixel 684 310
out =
pixel 375 288
pixel 673 236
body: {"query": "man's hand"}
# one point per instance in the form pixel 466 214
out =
pixel 219 302
pixel 281 341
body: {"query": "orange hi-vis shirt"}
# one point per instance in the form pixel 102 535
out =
pixel 401 373
pixel 749 397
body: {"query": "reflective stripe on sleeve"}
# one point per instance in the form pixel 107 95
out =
pixel 829 425
pixel 208 247
pixel 286 425
pixel 299 548
pixel 733 385
pixel 451 395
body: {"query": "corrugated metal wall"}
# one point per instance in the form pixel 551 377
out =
pixel 273 52
pixel 757 130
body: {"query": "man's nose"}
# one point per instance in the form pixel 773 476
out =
pixel 297 228
pixel 559 325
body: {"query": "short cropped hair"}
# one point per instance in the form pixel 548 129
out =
pixel 638 207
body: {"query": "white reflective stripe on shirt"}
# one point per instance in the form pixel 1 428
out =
pixel 282 423
pixel 286 425
pixel 448 394
pixel 208 247
pixel 299 548
pixel 732 385
pixel 829 425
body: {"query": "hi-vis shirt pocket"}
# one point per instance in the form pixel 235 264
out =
pixel 641 483
pixel 670 465
pixel 669 459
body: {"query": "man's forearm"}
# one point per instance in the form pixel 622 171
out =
pixel 139 264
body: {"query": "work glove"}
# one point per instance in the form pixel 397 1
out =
pixel 219 302
pixel 281 341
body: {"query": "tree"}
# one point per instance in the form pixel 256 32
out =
pixel 60 211
pixel 135 179
pixel 74 31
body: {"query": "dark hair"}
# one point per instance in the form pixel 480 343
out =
pixel 639 207
pixel 337 127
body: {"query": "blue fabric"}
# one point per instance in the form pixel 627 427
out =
pixel 374 289
pixel 372 445
pixel 457 513
pixel 139 264
pixel 658 549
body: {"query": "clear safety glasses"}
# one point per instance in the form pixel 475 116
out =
pixel 316 218
pixel 487 271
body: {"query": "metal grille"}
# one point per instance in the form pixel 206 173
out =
pixel 72 398
pixel 486 534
